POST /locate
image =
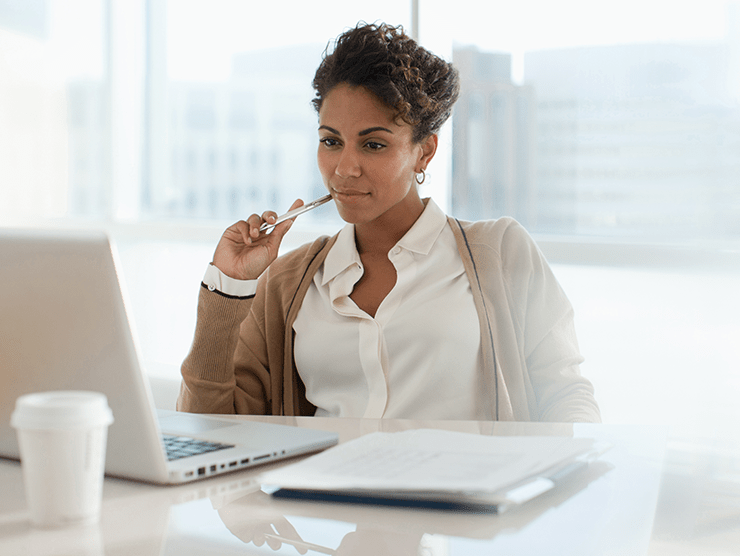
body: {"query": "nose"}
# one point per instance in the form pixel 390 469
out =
pixel 348 165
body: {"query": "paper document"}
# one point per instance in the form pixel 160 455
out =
pixel 438 466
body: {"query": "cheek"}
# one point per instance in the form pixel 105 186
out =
pixel 399 170
pixel 324 163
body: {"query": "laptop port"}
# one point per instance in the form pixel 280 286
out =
pixel 213 468
pixel 245 461
pixel 232 464
pixel 201 471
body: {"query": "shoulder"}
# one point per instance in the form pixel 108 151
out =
pixel 502 235
pixel 502 248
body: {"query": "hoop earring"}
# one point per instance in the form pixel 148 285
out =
pixel 423 177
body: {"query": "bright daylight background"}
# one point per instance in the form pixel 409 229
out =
pixel 610 129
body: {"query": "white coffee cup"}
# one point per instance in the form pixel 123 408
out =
pixel 62 439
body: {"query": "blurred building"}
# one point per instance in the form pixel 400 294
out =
pixel 243 145
pixel 494 123
pixel 632 141
pixel 33 126
pixel 638 140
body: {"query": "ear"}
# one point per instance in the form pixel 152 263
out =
pixel 428 150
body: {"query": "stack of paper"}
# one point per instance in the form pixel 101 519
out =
pixel 436 466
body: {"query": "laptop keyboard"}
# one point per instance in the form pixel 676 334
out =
pixel 182 447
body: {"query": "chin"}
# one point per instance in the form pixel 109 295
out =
pixel 353 216
pixel 350 218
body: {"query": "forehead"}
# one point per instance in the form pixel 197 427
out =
pixel 346 107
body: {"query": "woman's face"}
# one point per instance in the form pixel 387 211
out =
pixel 367 159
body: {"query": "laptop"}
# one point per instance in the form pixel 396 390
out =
pixel 63 326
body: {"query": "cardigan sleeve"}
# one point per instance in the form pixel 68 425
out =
pixel 241 357
pixel 546 320
pixel 209 383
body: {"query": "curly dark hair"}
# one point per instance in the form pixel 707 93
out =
pixel 418 85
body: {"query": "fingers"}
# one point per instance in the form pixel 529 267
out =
pixel 241 229
pixel 255 222
pixel 273 542
pixel 282 228
pixel 286 530
pixel 244 252
pixel 297 203
pixel 269 217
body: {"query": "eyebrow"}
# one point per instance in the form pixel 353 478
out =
pixel 361 133
pixel 374 129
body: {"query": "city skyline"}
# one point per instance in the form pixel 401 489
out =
pixel 260 145
pixel 525 185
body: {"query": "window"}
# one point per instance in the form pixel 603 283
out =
pixel 610 130
pixel 54 138
pixel 617 120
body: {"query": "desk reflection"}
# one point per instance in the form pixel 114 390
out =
pixel 257 519
pixel 609 509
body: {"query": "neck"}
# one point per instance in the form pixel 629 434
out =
pixel 380 235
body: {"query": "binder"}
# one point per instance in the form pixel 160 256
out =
pixel 435 469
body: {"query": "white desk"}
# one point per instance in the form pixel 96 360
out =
pixel 646 496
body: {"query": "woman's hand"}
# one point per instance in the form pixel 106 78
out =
pixel 243 252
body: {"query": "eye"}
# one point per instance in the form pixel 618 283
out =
pixel 329 141
pixel 374 145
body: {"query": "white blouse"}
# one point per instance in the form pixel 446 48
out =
pixel 419 357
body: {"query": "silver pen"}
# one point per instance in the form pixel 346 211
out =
pixel 293 213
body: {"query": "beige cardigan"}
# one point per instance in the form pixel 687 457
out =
pixel 241 360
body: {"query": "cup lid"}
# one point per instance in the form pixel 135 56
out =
pixel 62 409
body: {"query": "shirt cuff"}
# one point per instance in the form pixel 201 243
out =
pixel 214 279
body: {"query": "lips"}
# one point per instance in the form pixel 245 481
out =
pixel 348 195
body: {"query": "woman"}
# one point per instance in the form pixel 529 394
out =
pixel 405 313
